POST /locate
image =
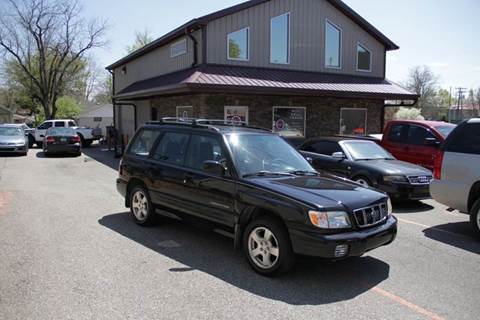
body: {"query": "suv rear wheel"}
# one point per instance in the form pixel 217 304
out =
pixel 475 216
pixel 141 206
pixel 267 247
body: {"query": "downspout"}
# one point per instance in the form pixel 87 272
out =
pixel 113 99
pixel 195 47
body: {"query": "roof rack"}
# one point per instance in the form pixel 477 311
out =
pixel 205 123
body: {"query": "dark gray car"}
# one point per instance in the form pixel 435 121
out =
pixel 13 139
pixel 368 164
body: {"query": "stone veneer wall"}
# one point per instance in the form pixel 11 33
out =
pixel 323 114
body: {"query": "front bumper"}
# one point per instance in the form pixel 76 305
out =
pixel 320 245
pixel 13 149
pixel 406 191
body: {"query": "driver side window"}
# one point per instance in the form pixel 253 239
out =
pixel 201 149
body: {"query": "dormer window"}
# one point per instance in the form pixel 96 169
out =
pixel 238 45
pixel 364 58
pixel 333 38
pixel 178 48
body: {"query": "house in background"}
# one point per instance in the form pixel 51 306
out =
pixel 299 67
pixel 457 114
pixel 6 115
pixel 99 116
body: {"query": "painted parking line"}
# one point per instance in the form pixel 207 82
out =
pixel 434 228
pixel 412 306
pixel 4 201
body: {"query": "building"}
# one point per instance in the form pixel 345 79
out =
pixel 6 115
pixel 99 116
pixel 457 114
pixel 299 67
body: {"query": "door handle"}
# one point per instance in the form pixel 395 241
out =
pixel 188 178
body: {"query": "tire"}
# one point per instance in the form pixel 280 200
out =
pixel 86 143
pixel 39 145
pixel 262 239
pixel 363 181
pixel 141 206
pixel 475 217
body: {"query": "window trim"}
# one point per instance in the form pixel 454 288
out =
pixel 293 107
pixel 327 21
pixel 177 43
pixel 347 108
pixel 359 44
pixel 248 45
pixel 288 39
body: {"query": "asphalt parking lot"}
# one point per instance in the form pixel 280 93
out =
pixel 69 250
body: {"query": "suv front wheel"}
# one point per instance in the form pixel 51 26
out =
pixel 475 216
pixel 267 247
pixel 141 206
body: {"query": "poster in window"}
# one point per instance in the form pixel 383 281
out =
pixel 353 121
pixel 185 112
pixel 236 114
pixel 289 121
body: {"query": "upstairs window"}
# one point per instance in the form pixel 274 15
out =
pixel 333 38
pixel 364 58
pixel 238 45
pixel 280 39
pixel 178 48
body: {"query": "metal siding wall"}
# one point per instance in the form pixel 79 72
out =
pixel 156 63
pixel 307 37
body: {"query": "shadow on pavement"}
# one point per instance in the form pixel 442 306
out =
pixel 456 234
pixel 312 282
pixel 411 207
pixel 103 155
pixel 56 155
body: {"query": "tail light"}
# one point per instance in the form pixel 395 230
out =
pixel 75 139
pixel 50 139
pixel 437 166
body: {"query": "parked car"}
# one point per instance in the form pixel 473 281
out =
pixel 13 139
pixel 368 164
pixel 87 136
pixel 415 141
pixel 61 140
pixel 252 185
pixel 457 171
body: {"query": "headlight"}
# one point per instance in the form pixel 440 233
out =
pixel 330 219
pixel 395 179
pixel 389 207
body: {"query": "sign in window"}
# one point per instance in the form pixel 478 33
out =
pixel 289 121
pixel 185 112
pixel 236 114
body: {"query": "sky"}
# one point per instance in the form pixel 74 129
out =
pixel 442 34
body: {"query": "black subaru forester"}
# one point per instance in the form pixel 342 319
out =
pixel 251 184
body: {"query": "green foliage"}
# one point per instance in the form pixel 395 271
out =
pixel 142 38
pixel 234 50
pixel 67 108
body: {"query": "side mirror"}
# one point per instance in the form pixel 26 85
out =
pixel 214 167
pixel 338 155
pixel 433 142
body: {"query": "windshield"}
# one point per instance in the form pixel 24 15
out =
pixel 61 132
pixel 445 130
pixel 255 153
pixel 10 132
pixel 366 150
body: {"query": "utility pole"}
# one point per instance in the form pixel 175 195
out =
pixel 460 95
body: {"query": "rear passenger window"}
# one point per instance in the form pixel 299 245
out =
pixel 396 133
pixel 171 148
pixel 417 135
pixel 465 139
pixel 143 142
pixel 201 149
pixel 59 124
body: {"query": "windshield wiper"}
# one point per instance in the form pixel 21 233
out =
pixel 265 173
pixel 304 173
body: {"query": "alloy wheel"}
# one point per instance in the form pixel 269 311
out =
pixel 263 247
pixel 478 219
pixel 140 205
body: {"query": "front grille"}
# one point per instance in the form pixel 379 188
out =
pixel 370 216
pixel 419 179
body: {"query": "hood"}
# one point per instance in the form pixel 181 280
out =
pixel 322 192
pixel 395 167
pixel 12 139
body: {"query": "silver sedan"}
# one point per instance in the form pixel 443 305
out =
pixel 13 139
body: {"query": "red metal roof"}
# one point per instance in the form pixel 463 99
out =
pixel 220 78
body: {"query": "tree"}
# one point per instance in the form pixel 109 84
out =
pixel 47 39
pixel 477 97
pixel 471 97
pixel 104 94
pixel 423 82
pixel 68 108
pixel 142 38
pixel 408 114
